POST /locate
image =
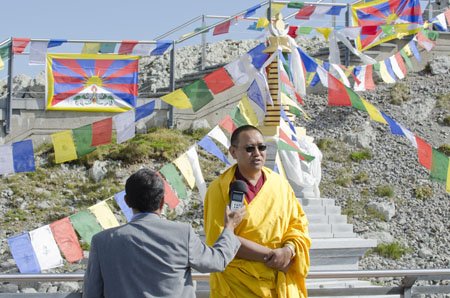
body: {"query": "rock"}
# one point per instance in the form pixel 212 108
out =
pixel 37 86
pixel 52 289
pixel 425 253
pixel 361 138
pixel 381 237
pixel 98 170
pixel 386 209
pixel 28 290
pixel 198 124
pixel 69 287
pixel 440 65
pixel 21 83
pixel 9 288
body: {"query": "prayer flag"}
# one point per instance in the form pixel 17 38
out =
pixel 126 47
pixel 67 239
pixel 19 44
pixel 222 28
pixel 38 51
pixel 304 30
pixel 389 68
pixel 185 168
pixel 6 159
pixel 324 31
pixel 237 117
pixel 56 42
pixel 64 146
pixel 279 166
pixel 400 62
pixel 253 27
pixel 23 253
pixel 439 22
pixel 447 15
pixel 262 23
pixel 305 12
pixel 228 124
pixel 170 198
pixel 387 29
pixel 83 139
pixel 254 93
pixel 337 93
pixel 297 5
pixel 170 173
pixel 387 78
pixel 125 126
pixel 211 147
pixel 285 143
pixel 101 132
pixel 23 156
pixel 424 42
pixel 247 111
pixel 90 48
pixel 144 110
pixel 413 48
pixel 85 224
pixel 409 135
pixel 120 199
pixel 142 49
pixel 241 70
pixel 199 181
pixel 335 10
pixel 396 67
pixel 425 152
pixel 356 100
pixel 177 99
pixel 351 32
pixel 107 47
pixel 275 9
pixel 285 85
pixel 393 125
pixel 45 247
pixel 88 82
pixel 292 31
pixel 217 134
pixel 251 11
pixel 104 215
pixel 439 166
pixel 161 47
pixel 2 65
pixel 198 94
pixel 373 112
pixel 258 57
pixel 218 81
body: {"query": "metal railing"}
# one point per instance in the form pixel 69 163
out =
pixel 407 287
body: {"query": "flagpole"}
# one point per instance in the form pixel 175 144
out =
pixel 172 83
pixel 10 88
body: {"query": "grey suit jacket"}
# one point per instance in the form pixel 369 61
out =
pixel 152 257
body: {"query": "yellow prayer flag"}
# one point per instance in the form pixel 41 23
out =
pixel 64 146
pixel 448 179
pixel 247 111
pixel 401 28
pixel 349 70
pixel 276 8
pixel 90 48
pixel 104 215
pixel 262 23
pixel 280 166
pixel 178 99
pixel 2 65
pixel 324 31
pixel 186 35
pixel 373 112
pixel 287 101
pixel 385 74
pixel 407 49
pixel 185 168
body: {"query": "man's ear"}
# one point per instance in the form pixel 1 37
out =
pixel 126 201
pixel 232 150
pixel 161 205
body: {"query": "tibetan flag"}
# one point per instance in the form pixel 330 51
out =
pixel 64 146
pixel 127 47
pixel 373 112
pixel 120 199
pixel 83 139
pixel 198 93
pixel 174 179
pixel 425 153
pixel 145 110
pixel 98 83
pixel 170 198
pixel 161 47
pixel 222 28
pixel 185 168
pixel 384 12
pixel 85 224
pixel 192 156
pixel 45 248
pixel 218 81
pixel 305 13
pixel 125 126
pixel 23 253
pixel 439 166
pixel 104 215
pixel 228 124
pixel 208 144
pixel 101 132
pixel 177 99
pixel 19 44
pixel 67 239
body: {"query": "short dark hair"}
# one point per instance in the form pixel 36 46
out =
pixel 237 132
pixel 144 190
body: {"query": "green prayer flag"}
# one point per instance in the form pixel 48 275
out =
pixel 376 66
pixel 356 100
pixel 439 166
pixel 304 30
pixel 406 58
pixel 198 94
pixel 431 35
pixel 298 5
pixel 4 51
pixel 387 29
pixel 237 117
pixel 106 48
pixel 83 139
pixel 285 146
pixel 174 179
pixel 296 111
pixel 201 28
pixel 85 224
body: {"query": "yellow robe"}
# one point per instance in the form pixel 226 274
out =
pixel 273 218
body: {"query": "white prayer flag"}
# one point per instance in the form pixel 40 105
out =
pixel 217 134
pixel 142 49
pixel 362 79
pixel 411 137
pixel 396 68
pixel 323 75
pixel 442 21
pixel 298 75
pixel 320 11
pixel 199 181
pixel 125 126
pixel 45 248
pixel 6 159
pixel 38 51
pixel 241 70
pixel 350 32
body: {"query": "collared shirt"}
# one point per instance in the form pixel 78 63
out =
pixel 252 189
pixel 140 213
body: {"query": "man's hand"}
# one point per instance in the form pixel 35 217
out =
pixel 233 218
pixel 279 259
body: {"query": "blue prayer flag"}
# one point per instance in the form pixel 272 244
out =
pixel 255 95
pixel 144 110
pixel 395 128
pixel 23 253
pixel 414 50
pixel 310 64
pixel 127 211
pixel 23 156
pixel 251 11
pixel 55 42
pixel 335 10
pixel 258 57
pixel 161 47
pixel 253 27
pixel 208 144
pixel 388 63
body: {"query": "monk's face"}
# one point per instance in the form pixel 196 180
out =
pixel 249 151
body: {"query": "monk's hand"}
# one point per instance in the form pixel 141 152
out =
pixel 233 218
pixel 279 259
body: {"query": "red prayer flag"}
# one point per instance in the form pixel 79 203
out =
pixel 447 15
pixel 66 239
pixel 19 44
pixel 425 153
pixel 127 46
pixel 170 198
pixel 400 62
pixel 293 31
pixel 370 85
pixel 222 28
pixel 337 94
pixel 218 81
pixel 369 30
pixel 291 143
pixel 305 13
pixel 228 124
pixel 101 132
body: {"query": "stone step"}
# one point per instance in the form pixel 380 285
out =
pixel 327 219
pixel 316 202
pixel 325 210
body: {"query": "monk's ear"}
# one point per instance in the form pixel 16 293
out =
pixel 232 150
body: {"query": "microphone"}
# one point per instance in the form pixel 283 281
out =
pixel 238 190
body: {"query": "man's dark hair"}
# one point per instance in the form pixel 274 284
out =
pixel 144 190
pixel 235 135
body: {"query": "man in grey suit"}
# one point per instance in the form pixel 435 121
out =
pixel 150 256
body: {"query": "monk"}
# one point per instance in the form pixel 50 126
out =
pixel 273 259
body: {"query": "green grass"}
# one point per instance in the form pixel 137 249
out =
pixel 343 177
pixel 357 156
pixel 384 191
pixel 393 250
pixel 423 192
pixel 445 148
pixel 361 178
pixel 443 101
pixel 447 120
pixel 400 93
